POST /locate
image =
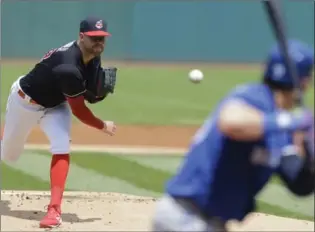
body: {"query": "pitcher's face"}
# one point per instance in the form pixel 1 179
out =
pixel 93 44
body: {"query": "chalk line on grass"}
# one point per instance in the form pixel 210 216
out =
pixel 139 150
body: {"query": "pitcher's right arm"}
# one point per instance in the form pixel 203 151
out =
pixel 72 87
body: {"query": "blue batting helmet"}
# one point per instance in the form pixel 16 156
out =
pixel 302 57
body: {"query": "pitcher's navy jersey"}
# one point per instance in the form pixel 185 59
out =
pixel 221 175
pixel 61 72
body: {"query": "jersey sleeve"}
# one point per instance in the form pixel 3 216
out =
pixel 253 95
pixel 70 80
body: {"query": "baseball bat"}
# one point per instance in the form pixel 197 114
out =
pixel 273 10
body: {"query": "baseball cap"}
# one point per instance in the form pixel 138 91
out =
pixel 94 26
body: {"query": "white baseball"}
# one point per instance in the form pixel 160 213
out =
pixel 195 75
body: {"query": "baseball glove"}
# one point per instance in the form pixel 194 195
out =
pixel 101 85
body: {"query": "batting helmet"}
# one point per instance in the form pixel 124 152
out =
pixel 302 57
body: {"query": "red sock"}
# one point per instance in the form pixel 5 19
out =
pixel 58 175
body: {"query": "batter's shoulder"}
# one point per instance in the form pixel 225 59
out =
pixel 255 94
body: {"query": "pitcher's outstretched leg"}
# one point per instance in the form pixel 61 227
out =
pixel 58 175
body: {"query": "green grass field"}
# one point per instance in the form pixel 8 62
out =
pixel 144 95
pixel 158 95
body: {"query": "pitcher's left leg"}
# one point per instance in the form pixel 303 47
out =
pixel 56 125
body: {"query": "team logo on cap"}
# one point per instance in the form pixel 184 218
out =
pixel 278 71
pixel 99 24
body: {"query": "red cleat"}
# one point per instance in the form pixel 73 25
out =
pixel 52 218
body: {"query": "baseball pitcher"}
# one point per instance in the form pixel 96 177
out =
pixel 60 84
pixel 252 134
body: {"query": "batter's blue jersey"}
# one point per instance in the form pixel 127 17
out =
pixel 221 175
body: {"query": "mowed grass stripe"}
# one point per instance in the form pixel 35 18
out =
pixel 278 195
pixel 129 171
pixel 15 179
pixel 267 208
pixel 79 178
pixel 154 179
pixel 269 195
pixel 166 163
pixel 268 198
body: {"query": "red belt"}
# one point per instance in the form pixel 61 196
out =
pixel 23 95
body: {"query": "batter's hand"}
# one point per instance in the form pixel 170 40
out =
pixel 109 127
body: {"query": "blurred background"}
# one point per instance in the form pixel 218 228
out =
pixel 154 44
pixel 181 30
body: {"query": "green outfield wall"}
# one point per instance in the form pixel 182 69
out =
pixel 218 31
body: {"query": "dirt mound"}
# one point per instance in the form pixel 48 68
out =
pixel 83 211
pixel 22 211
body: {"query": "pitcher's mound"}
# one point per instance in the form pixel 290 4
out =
pixel 84 211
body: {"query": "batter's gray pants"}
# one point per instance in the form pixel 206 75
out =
pixel 180 215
